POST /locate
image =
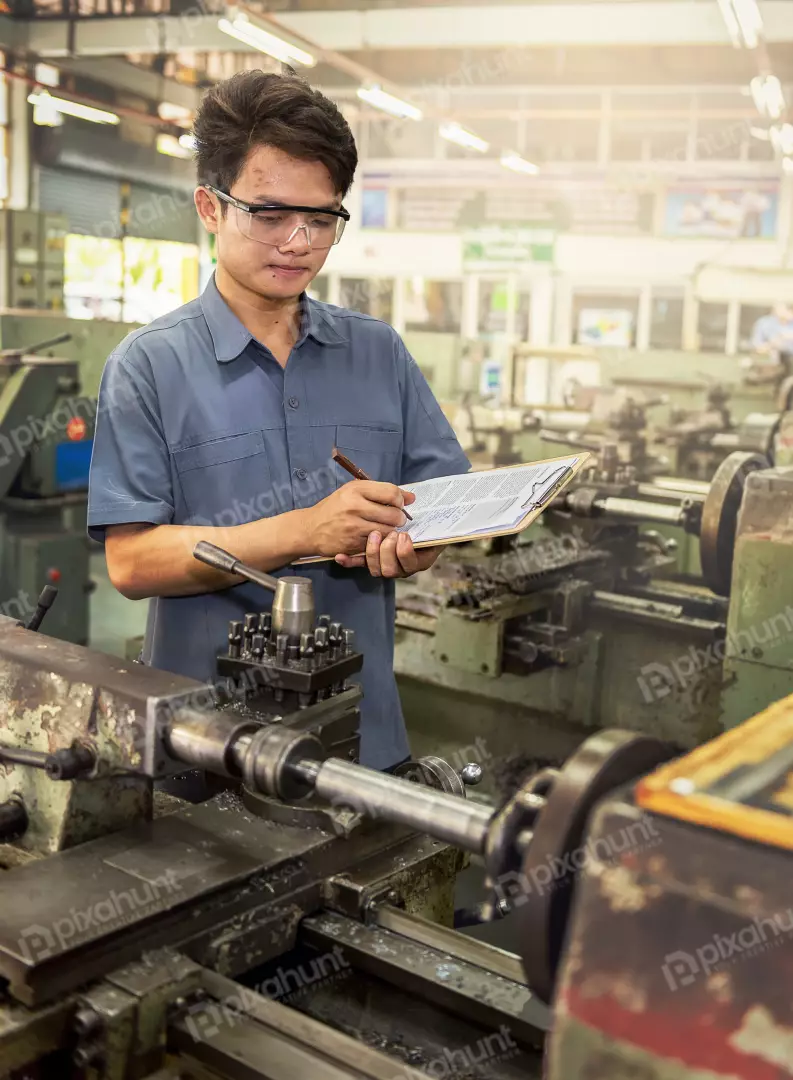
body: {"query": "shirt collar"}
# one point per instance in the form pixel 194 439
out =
pixel 230 337
pixel 319 323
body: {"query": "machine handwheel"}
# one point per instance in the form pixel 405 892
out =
pixel 603 762
pixel 720 518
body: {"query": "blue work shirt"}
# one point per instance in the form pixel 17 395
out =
pixel 770 328
pixel 198 424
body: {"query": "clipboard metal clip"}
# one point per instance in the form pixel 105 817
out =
pixel 557 484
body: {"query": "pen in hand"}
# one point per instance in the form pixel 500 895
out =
pixel 359 474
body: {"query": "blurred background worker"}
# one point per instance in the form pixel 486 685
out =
pixel 773 333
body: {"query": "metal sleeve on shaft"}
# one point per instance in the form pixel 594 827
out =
pixel 380 796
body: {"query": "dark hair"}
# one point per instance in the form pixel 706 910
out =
pixel 258 108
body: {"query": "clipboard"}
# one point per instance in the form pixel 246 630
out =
pixel 533 510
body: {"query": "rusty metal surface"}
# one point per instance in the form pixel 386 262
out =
pixel 679 957
pixel 603 762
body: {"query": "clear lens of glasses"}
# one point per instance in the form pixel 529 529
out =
pixel 278 227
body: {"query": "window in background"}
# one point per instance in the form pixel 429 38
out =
pixel 436 306
pixel 159 276
pixel 605 319
pixel 372 296
pixel 493 307
pixel 666 320
pixel 319 288
pixel 92 277
pixel 133 279
pixel 750 313
pixel 712 327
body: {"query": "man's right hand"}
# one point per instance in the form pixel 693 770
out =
pixel 341 523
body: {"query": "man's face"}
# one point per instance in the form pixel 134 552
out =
pixel 784 312
pixel 282 271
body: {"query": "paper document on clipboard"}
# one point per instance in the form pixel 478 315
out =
pixel 483 503
pixel 476 505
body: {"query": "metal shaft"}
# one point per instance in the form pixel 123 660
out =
pixel 662 513
pixel 388 798
pixel 222 743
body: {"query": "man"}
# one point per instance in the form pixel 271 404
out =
pixel 773 334
pixel 217 422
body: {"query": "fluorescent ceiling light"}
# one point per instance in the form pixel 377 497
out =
pixel 782 138
pixel 457 134
pixel 787 164
pixel 170 145
pixel 759 133
pixel 518 164
pixel 768 96
pixel 46 74
pixel 72 108
pixel 241 28
pixel 743 21
pixel 187 142
pixel 378 97
pixel 176 114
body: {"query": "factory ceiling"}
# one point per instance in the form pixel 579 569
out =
pixel 563 69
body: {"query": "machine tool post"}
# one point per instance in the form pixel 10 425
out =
pixel 293 603
pixel 379 796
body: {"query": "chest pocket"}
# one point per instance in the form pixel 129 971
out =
pixel 375 450
pixel 227 481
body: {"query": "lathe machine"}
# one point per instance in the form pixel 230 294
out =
pixel 294 925
pixel 520 649
pixel 46 433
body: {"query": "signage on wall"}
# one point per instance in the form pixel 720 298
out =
pixel 597 326
pixel 499 247
pixel 582 207
pixel 748 212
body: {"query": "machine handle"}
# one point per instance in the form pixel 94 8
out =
pixel 43 605
pixel 223 560
pixel 31 350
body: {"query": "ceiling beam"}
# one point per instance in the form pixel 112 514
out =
pixel 612 23
pixel 121 75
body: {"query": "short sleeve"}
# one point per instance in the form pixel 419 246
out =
pixel 760 333
pixel 430 447
pixel 130 478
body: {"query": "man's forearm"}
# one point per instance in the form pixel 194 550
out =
pixel 157 560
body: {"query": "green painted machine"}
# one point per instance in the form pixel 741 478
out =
pixel 46 429
pixel 521 649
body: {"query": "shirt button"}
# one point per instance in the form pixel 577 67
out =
pixel 294 402
pixel 301 474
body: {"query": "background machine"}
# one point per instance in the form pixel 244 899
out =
pixel 586 620
pixel 46 430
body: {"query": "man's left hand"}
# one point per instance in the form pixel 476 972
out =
pixel 392 556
